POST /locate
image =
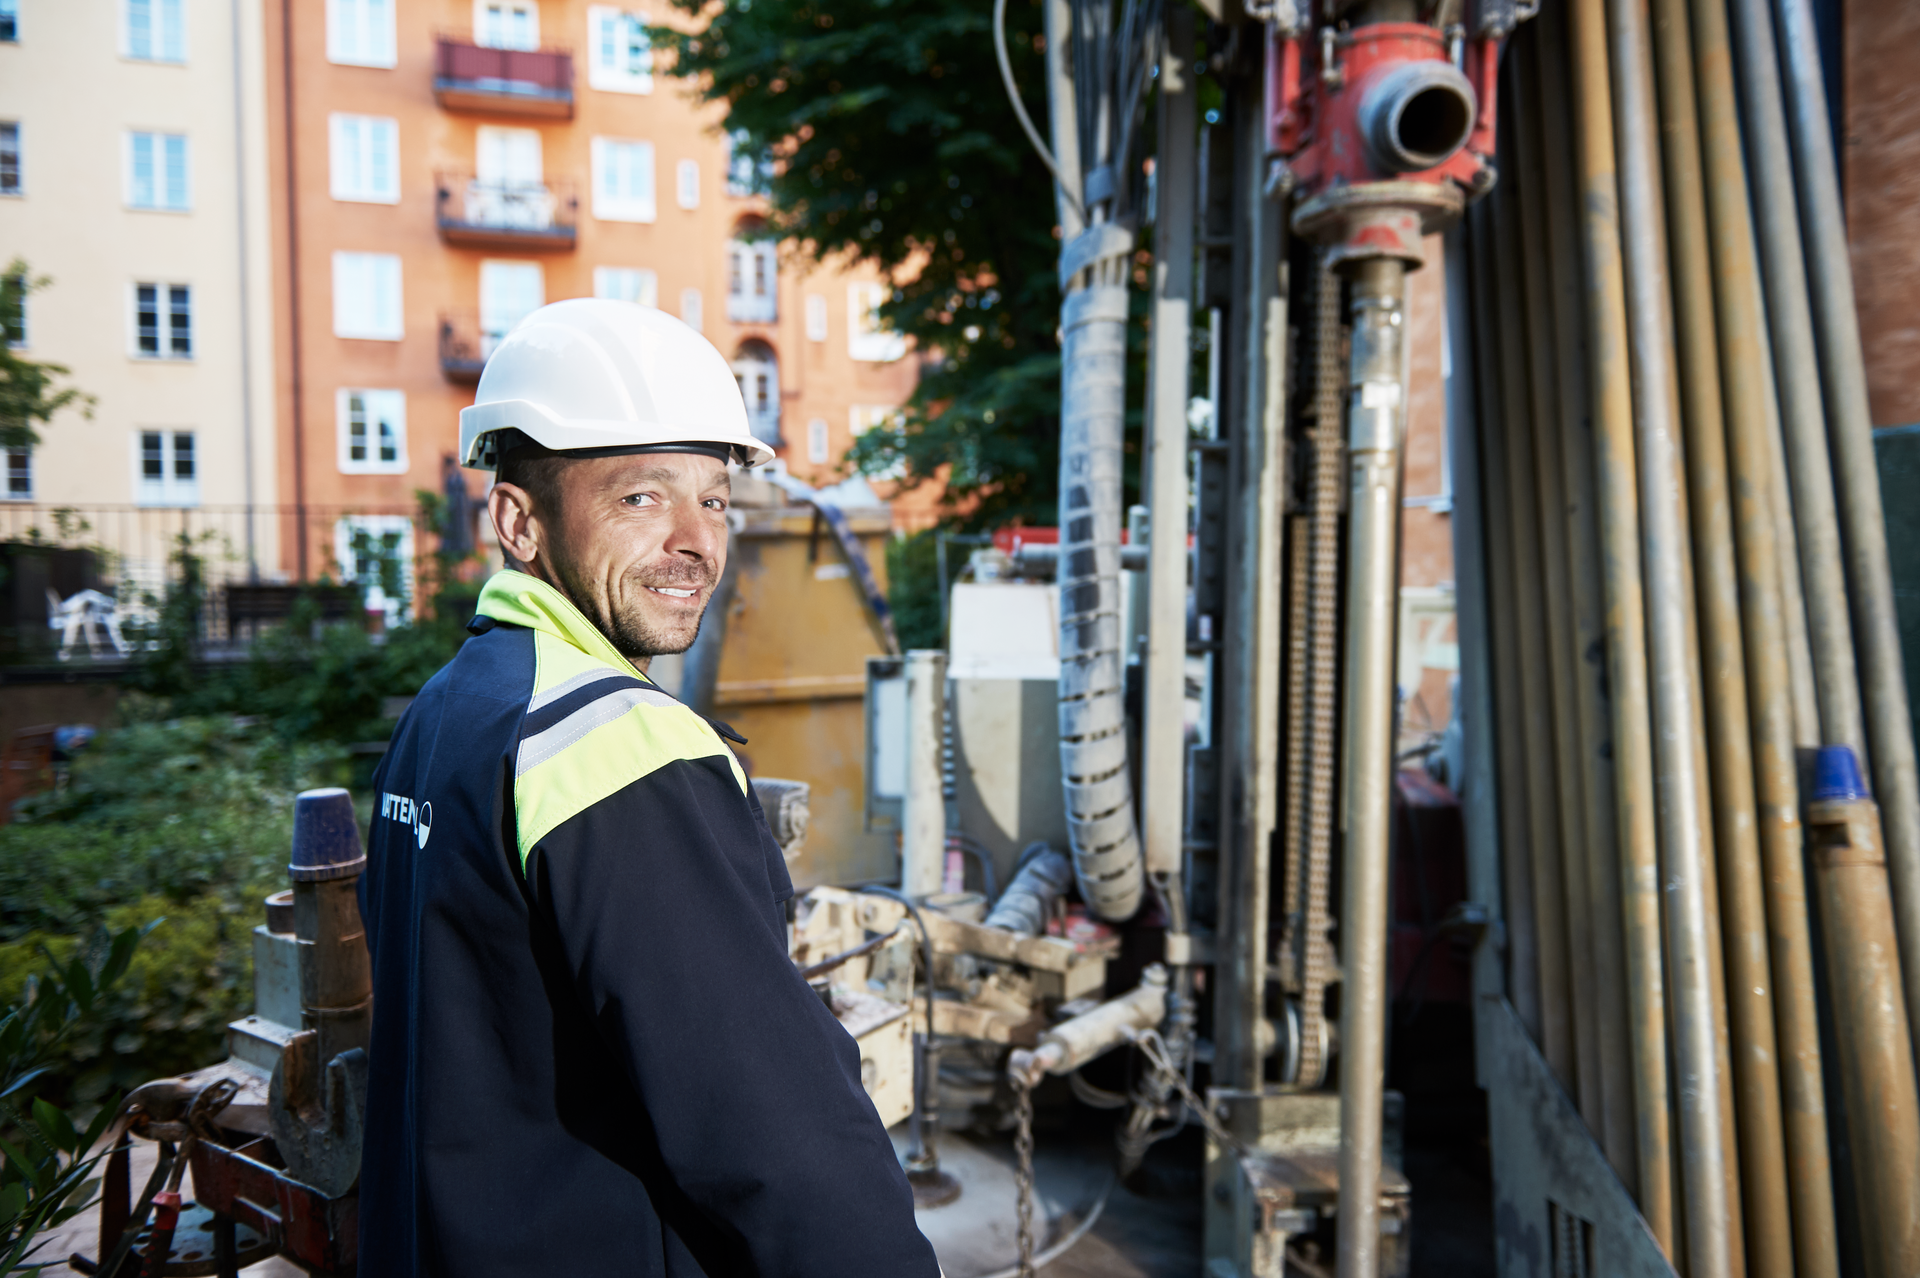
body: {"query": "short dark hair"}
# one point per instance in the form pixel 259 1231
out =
pixel 537 470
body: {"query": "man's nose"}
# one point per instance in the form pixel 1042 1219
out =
pixel 696 533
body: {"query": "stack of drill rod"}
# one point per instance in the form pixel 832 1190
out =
pixel 1687 595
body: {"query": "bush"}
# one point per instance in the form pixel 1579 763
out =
pixel 190 819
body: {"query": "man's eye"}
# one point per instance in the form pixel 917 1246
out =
pixel 639 499
pixel 715 503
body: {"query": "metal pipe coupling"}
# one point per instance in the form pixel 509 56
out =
pixel 1416 116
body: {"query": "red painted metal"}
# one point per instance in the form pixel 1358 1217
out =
pixel 320 1234
pixel 1314 126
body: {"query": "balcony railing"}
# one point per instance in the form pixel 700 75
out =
pixel 507 215
pixel 471 77
pixel 464 346
pixel 86 585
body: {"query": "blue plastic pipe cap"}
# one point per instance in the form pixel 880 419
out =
pixel 1836 775
pixel 326 838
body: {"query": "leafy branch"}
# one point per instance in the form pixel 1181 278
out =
pixel 46 1159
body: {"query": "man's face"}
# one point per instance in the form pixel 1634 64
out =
pixel 639 544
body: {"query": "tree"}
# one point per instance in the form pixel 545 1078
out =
pixel 893 145
pixel 28 388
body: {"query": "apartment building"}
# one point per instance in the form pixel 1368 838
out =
pixel 443 167
pixel 133 173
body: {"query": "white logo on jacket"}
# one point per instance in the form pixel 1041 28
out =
pixel 398 807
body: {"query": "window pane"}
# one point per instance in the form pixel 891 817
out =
pixel 183 456
pixel 147 319
pixel 141 194
pixel 9 158
pixel 173 32
pixel 180 308
pixel 19 474
pixel 389 441
pixel 153 467
pixel 356 428
pixel 383 169
pixel 176 150
pixel 140 28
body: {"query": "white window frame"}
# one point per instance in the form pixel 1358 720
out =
pixel 816 317
pixel 627 284
pixel 361 33
pixel 866 340
pixel 169 489
pixel 8 456
pixel 19 187
pixel 373 317
pixel 163 322
pixel 160 141
pixel 819 442
pixel 764 425
pixel 605 71
pixel 746 174
pixel 353 149
pixel 621 206
pixel 394 611
pixel 157 48
pixel 530 9
pixel 686 183
pixel 753 281
pixel 692 310
pixel 378 407
pixel 491 333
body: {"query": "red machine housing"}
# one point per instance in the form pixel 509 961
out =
pixel 1358 189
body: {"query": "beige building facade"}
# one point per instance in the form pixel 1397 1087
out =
pixel 133 171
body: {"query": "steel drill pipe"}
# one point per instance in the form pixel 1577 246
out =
pixel 1750 430
pixel 1527 252
pixel 1876 625
pixel 1516 861
pixel 1863 978
pixel 1707 1153
pixel 1748 972
pixel 1530 657
pixel 1376 417
pixel 1796 364
pixel 1619 516
pixel 1575 425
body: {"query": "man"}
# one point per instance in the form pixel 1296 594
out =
pixel 591 1054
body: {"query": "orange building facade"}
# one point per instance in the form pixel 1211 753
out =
pixel 441 167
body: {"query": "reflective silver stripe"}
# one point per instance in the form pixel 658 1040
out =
pixel 541 746
pixel 574 684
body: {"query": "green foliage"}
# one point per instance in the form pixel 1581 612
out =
pixel 29 389
pixel 175 810
pixel 190 819
pixel 896 147
pixel 46 1170
pixel 913 590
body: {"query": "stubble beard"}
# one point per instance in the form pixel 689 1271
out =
pixel 628 630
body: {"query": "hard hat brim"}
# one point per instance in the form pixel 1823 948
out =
pixel 480 424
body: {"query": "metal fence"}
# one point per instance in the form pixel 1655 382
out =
pixel 89 582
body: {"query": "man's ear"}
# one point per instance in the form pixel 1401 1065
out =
pixel 510 507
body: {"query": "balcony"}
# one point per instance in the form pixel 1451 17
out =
pixel 516 216
pixel 470 77
pixel 464 346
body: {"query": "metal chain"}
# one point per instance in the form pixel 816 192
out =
pixel 1023 1174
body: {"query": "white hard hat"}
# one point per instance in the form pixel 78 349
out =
pixel 604 378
